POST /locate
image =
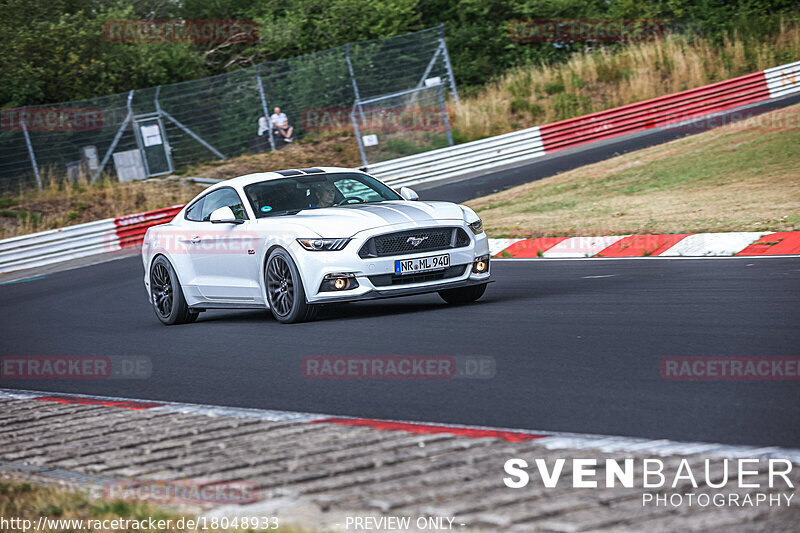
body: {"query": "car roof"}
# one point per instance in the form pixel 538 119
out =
pixel 247 179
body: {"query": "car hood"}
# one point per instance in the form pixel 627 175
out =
pixel 347 221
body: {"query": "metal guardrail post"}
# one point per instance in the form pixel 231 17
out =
pixel 264 107
pixel 447 64
pixel 30 150
pixel 117 137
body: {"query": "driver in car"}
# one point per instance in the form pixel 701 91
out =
pixel 325 194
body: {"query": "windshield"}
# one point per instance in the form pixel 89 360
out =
pixel 290 195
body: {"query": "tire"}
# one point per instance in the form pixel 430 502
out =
pixel 463 295
pixel 285 293
pixel 166 294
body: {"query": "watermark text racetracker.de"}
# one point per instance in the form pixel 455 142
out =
pixel 714 483
pixel 374 119
pixel 46 524
pixel 397 367
pixel 182 491
pixel 747 120
pixel 178 241
pixel 584 30
pixel 75 367
pixel 54 118
pixel 180 31
pixel 730 368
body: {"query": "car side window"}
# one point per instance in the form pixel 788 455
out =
pixel 353 188
pixel 195 212
pixel 222 198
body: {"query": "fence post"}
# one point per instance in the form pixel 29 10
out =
pixel 447 63
pixel 353 79
pixel 264 106
pixel 444 115
pixel 193 135
pixel 116 139
pixel 167 147
pixel 30 150
pixel 358 138
pixel 431 63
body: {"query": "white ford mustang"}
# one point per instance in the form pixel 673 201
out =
pixel 294 239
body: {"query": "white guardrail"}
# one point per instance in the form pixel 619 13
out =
pixel 55 246
pixel 82 240
pixel 461 160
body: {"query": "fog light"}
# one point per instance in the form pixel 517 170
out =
pixel 341 281
pixel 481 265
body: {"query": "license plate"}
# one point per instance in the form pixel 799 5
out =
pixel 421 264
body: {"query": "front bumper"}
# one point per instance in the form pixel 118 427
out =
pixel 314 266
pixel 375 294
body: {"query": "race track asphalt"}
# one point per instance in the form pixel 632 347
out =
pixel 577 346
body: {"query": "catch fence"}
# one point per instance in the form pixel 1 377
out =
pixel 153 131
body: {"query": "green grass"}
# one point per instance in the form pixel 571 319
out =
pixel 25 216
pixel 741 177
pixel 31 501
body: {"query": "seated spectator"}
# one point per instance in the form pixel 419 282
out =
pixel 280 125
pixel 263 124
pixel 263 127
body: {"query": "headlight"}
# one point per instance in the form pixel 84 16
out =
pixel 476 227
pixel 323 245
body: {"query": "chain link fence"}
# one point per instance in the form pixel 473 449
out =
pixel 403 123
pixel 149 132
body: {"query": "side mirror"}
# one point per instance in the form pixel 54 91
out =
pixel 224 215
pixel 408 193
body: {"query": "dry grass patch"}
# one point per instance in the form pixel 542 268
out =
pixel 29 501
pixel 741 177
pixel 327 149
pixel 610 77
pixel 65 203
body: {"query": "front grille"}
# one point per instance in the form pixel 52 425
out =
pixel 432 239
pixel 386 280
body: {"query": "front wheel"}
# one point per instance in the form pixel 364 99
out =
pixel 285 294
pixel 166 294
pixel 463 295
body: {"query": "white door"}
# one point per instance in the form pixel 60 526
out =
pixel 224 254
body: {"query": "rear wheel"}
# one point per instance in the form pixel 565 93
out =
pixel 285 294
pixel 166 294
pixel 463 295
